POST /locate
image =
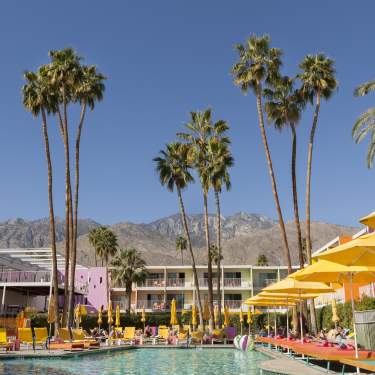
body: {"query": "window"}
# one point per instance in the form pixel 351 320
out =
pixel 233 297
pixel 100 280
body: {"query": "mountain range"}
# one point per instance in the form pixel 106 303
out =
pixel 245 236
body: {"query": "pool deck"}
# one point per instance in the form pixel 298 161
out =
pixel 281 364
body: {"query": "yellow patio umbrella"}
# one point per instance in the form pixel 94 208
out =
pixel 369 220
pixel 109 313
pixel 259 301
pixel 249 318
pixel 77 314
pixel 226 316
pixel 206 310
pixel 51 318
pixel 83 310
pixel 100 316
pixel 117 322
pixel 335 317
pixel 241 318
pixel 194 316
pixel 358 252
pixel 216 314
pixel 257 312
pixel 143 316
pixel 287 296
pixel 291 285
pixel 173 320
pixel 328 271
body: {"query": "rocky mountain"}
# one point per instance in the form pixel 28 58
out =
pixel 244 237
pixel 35 233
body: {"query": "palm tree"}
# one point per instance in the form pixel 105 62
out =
pixel 63 73
pixel 318 81
pixel 38 100
pixel 181 245
pixel 104 242
pixel 262 260
pixel 366 122
pixel 220 160
pixel 283 108
pixel 258 65
pixel 199 130
pixel 129 268
pixel 89 91
pixel 174 172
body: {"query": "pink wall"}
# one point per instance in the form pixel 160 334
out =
pixel 97 286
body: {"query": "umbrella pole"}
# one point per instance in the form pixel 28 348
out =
pixel 353 310
pixel 268 318
pixel 275 321
pixel 287 319
pixel 300 316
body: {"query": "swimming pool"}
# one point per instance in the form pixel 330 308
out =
pixel 142 362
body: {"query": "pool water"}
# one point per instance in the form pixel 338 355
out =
pixel 142 362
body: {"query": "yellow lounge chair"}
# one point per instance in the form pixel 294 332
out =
pixel 25 336
pixel 41 336
pixel 64 334
pixel 218 335
pixel 163 334
pixel 129 335
pixel 4 344
pixel 80 336
pixel 197 337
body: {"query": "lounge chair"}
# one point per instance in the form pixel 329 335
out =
pixel 129 335
pixel 118 331
pixel 41 336
pixel 218 336
pixel 25 336
pixel 230 333
pixel 163 335
pixel 65 334
pixel 197 337
pixel 4 344
pixel 88 342
pixel 183 337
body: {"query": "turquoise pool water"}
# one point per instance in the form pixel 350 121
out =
pixel 142 362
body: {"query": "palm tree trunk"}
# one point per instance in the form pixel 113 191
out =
pixel 295 196
pixel 129 295
pixel 218 244
pixel 187 234
pixel 209 261
pixel 308 202
pixel 308 178
pixel 52 220
pixel 273 179
pixel 65 139
pixel 75 218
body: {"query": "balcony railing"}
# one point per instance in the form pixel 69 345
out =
pixel 204 282
pixel 160 305
pixel 175 282
pixel 26 276
pixel 152 283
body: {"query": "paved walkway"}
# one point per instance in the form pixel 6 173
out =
pixel 280 364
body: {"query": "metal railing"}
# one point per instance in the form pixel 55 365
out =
pixel 233 304
pixel 176 282
pixel 152 283
pixel 159 305
pixel 204 282
pixel 27 276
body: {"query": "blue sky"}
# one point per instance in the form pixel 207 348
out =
pixel 164 59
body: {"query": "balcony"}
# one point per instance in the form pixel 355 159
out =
pixel 27 277
pixel 152 283
pixel 236 283
pixel 204 282
pixel 176 283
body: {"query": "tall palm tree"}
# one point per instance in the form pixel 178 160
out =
pixel 181 246
pixel 199 129
pixel 258 65
pixel 104 242
pixel 220 160
pixel 365 123
pixel 38 100
pixel 129 268
pixel 174 172
pixel 89 90
pixel 283 108
pixel 64 73
pixel 318 81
